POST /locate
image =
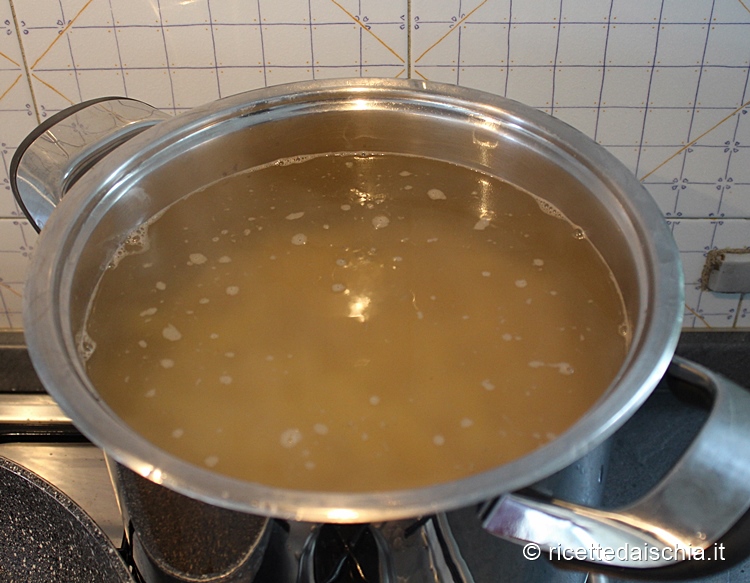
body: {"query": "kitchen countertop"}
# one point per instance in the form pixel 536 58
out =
pixel 18 374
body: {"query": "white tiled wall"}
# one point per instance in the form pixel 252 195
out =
pixel 663 84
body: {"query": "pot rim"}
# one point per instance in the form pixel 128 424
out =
pixel 54 347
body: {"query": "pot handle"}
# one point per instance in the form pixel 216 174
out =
pixel 695 521
pixel 62 148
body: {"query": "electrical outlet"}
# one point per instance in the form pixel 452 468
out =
pixel 727 271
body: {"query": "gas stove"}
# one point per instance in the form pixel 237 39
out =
pixel 171 539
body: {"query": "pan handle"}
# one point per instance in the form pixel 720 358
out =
pixel 695 521
pixel 62 148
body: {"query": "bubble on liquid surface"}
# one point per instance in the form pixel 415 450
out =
pixel 232 290
pixel 292 160
pixel 171 333
pixel 436 194
pixel 137 242
pixel 290 437
pixel 86 347
pixel 295 216
pixel 563 368
pixel 197 258
pixel 299 239
pixel 482 224
pixel 380 222
pixel 139 237
pixel 548 208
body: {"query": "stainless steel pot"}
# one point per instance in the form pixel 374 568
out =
pixel 115 174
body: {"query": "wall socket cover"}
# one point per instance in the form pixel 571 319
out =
pixel 727 271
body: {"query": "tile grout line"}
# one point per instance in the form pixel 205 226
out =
pixel 408 38
pixel 686 146
pixel 262 45
pixel 213 47
pixel 697 316
pixel 6 310
pixel 166 57
pixel 604 71
pixel 648 93
pixel 458 24
pixel 733 147
pixel 376 37
pixel 312 44
pixel 743 297
pixel 711 245
pixel 458 47
pixel 119 52
pixel 25 63
pixel 694 108
pixel 507 47
pixel 63 32
pixel 555 58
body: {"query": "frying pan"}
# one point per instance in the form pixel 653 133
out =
pixel 45 536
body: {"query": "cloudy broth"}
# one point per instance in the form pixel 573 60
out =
pixel 355 323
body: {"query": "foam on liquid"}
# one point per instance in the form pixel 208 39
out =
pixel 355 323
